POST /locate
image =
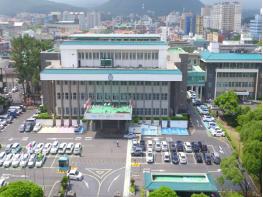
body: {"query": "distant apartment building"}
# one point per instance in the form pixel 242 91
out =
pixel 173 18
pixel 4 48
pixel 199 25
pixel 238 72
pixel 90 20
pixel 255 27
pixel 225 16
pixel 187 23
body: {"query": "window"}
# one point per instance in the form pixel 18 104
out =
pixel 67 110
pixel 164 83
pixel 66 95
pixel 91 95
pixel 75 110
pixel 157 111
pixel 58 82
pixel 74 96
pixel 147 83
pixel 165 111
pixel 82 83
pixel 140 56
pixel 73 82
pixel 58 96
pixel 59 110
pixel 82 110
pixel 163 96
pixel 82 96
pixel 65 83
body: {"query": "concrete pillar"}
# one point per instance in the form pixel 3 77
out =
pixel 118 122
pixel 201 92
pixel 70 104
pixel 101 126
pixel 78 101
pixel 62 103
pixel 192 88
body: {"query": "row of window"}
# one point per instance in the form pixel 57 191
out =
pixel 149 111
pixel 238 65
pixel 130 83
pixel 235 84
pixel 118 55
pixel 236 74
pixel 75 111
pixel 115 96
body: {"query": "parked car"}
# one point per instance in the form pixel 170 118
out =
pixel 74 174
pixel 175 158
pixel 172 147
pixel 207 158
pixel 204 148
pixel 22 128
pixel 77 149
pixel 164 146
pixel 8 160
pixel 16 160
pixel 32 160
pixel 39 148
pixel 8 148
pixel 142 144
pixel 195 147
pixel 188 147
pixel 7 118
pixel 46 149
pixel 40 160
pixel 149 157
pixel 166 156
pixel 217 132
pixel 207 118
pixel 37 127
pixel 211 125
pixel 198 157
pixel 54 148
pixel 69 148
pixel 179 146
pixel 130 135
pixel 31 147
pixel 149 144
pixel 137 151
pixel 3 121
pixel 3 182
pixel 28 127
pixel 216 158
pixel 2 158
pixel 182 158
pixel 134 142
pixel 16 148
pixel 157 146
pixel 62 148
pixel 24 160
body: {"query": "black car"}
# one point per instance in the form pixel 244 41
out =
pixel 172 147
pixel 200 144
pixel 197 103
pixel 142 145
pixel 137 151
pixel 195 147
pixel 215 158
pixel 198 158
pixel 207 158
pixel 175 158
pixel 204 148
pixel 180 146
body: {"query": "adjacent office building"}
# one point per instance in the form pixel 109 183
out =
pixel 255 27
pixel 111 77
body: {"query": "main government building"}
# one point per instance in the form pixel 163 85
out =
pixel 107 78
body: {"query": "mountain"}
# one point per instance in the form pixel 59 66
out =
pixel 82 3
pixel 245 4
pixel 158 7
pixel 12 7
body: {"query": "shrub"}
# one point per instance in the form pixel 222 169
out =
pixel 64 182
pixel 43 116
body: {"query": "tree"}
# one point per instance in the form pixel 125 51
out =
pixel 26 54
pixel 232 194
pixel 21 189
pixel 163 192
pixel 199 195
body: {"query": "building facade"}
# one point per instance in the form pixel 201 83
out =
pixel 237 72
pixel 255 27
pixel 101 70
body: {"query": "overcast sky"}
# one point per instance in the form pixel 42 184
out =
pixel 249 4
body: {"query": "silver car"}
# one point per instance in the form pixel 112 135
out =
pixel 24 160
pixel 2 158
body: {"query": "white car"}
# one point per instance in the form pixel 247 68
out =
pixel 149 157
pixel 39 148
pixel 157 146
pixel 8 160
pixel 134 142
pixel 2 158
pixel 16 147
pixel 75 175
pixel 2 126
pixel 37 127
pixel 32 161
pixel 69 148
pixel 164 146
pixel 40 160
pixel 166 156
pixel 217 132
pixel 3 122
pixel 207 118
pixel 62 148
pixel 24 160
pixel 3 183
pixel 182 158
pixel 149 144
pixel 16 160
pixel 54 148
pixel 77 149
pixel 188 147
pixel 46 149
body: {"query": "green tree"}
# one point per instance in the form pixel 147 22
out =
pixel 232 194
pixel 199 195
pixel 26 54
pixel 21 189
pixel 163 192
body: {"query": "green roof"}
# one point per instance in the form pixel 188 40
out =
pixel 176 50
pixel 110 71
pixel 109 109
pixel 182 182
pixel 83 42
pixel 230 57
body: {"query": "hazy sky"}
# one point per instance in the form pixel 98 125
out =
pixel 245 3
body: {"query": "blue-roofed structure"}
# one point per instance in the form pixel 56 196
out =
pixel 230 57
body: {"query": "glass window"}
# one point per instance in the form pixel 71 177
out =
pixel 75 110
pixel 74 95
pixel 58 82
pixel 59 110
pixel 67 110
pixel 66 95
pixel 82 96
pixel 58 96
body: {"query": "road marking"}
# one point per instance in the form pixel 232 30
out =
pixel 212 147
pixel 127 177
pixel 218 170
pixel 10 139
pixel 50 193
pixel 78 138
pixel 113 181
pixel 62 138
pixel 88 138
pixel 53 161
pixel 86 184
pixel 24 138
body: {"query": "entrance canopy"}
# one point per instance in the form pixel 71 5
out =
pixel 108 111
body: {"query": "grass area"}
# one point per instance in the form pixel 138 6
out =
pixel 233 136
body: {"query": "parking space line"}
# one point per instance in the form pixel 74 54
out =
pixel 115 179
pixel 53 161
pixel 212 147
